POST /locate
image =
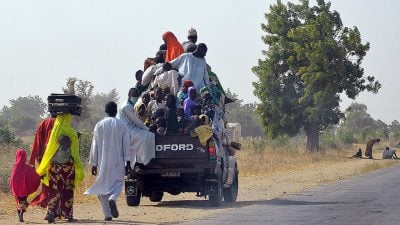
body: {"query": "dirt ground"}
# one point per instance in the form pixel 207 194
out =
pixel 184 207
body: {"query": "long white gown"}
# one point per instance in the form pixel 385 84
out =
pixel 109 151
pixel 142 140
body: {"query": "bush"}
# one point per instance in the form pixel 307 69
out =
pixel 7 137
pixel 85 142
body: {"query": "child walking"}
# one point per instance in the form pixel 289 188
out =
pixel 23 181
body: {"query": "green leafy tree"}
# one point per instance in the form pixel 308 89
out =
pixel 23 113
pixel 97 104
pixel 311 58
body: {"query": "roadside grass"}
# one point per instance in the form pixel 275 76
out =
pixel 256 158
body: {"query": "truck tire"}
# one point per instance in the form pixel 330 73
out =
pixel 230 194
pixel 156 196
pixel 215 200
pixel 134 200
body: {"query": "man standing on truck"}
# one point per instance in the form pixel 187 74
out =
pixel 109 152
pixel 193 66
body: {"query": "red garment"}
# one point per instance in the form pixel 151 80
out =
pixel 174 48
pixel 24 179
pixel 186 85
pixel 41 138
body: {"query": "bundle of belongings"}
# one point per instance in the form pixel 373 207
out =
pixel 178 94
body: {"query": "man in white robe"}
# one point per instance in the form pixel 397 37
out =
pixel 193 66
pixel 142 140
pixel 109 151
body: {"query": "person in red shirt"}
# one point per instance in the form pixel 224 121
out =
pixel 42 136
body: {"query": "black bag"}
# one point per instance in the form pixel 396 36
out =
pixel 63 103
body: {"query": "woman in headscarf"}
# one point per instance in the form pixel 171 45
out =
pixel 190 102
pixel 61 168
pixel 183 94
pixel 23 182
pixel 174 48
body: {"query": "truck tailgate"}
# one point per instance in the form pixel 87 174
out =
pixel 180 147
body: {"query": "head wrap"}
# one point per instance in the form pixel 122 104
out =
pixel 24 180
pixel 174 48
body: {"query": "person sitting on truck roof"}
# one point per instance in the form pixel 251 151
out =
pixel 142 141
pixel 189 102
pixel 190 44
pixel 183 94
pixel 159 58
pixel 193 66
pixel 161 126
pixel 182 120
pixel 170 114
pixel 138 76
pixel 158 102
pixel 193 119
pixel 174 48
pixel 168 78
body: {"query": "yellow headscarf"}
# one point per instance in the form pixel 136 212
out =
pixel 62 126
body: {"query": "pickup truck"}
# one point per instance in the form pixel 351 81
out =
pixel 182 164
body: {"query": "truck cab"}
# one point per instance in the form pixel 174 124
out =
pixel 183 164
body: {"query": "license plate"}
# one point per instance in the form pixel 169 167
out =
pixel 170 174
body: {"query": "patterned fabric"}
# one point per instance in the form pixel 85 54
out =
pixel 61 189
pixel 22 203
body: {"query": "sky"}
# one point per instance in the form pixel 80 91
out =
pixel 43 42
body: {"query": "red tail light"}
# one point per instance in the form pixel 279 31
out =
pixel 211 150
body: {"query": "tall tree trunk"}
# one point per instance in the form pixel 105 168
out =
pixel 313 137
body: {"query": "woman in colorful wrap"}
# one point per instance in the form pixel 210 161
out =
pixel 23 182
pixel 61 168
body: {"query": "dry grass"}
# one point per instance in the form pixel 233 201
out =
pixel 256 158
pixel 268 160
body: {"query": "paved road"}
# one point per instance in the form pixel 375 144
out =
pixel 368 199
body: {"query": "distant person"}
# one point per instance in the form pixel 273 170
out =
pixel 368 149
pixel 358 154
pixel 389 154
pixel 23 181
pixel 109 152
pixel 190 44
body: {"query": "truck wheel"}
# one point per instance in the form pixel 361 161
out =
pixel 230 194
pixel 215 200
pixel 134 200
pixel 156 196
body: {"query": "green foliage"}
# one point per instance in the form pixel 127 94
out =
pixel 85 141
pixel 245 115
pixel 96 107
pixel 309 61
pixel 359 126
pixel 8 138
pixel 23 113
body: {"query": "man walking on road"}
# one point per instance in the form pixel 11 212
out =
pixel 368 150
pixel 109 152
